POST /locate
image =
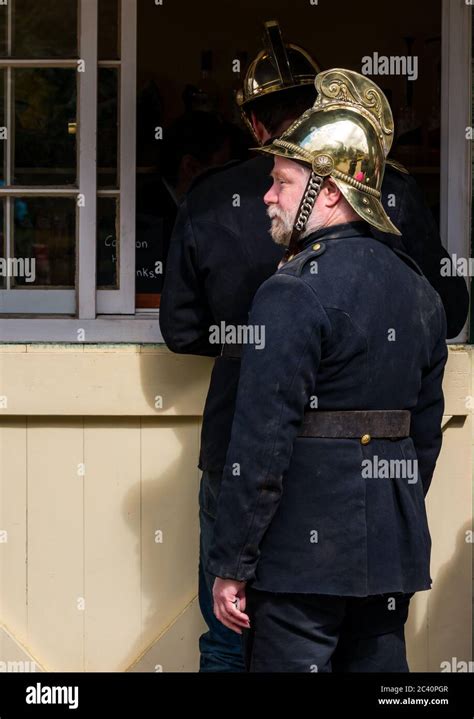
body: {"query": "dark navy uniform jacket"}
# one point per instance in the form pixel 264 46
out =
pixel 221 252
pixel 355 326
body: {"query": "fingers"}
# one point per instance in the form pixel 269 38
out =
pixel 225 621
pixel 231 617
pixel 238 616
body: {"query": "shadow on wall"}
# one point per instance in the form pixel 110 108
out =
pixel 449 601
pixel 166 535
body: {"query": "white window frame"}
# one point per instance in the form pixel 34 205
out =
pixel 101 315
pixel 456 116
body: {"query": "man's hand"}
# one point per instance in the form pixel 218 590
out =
pixel 229 603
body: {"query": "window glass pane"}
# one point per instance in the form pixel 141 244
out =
pixel 3 129
pixel 3 249
pixel 46 29
pixel 156 214
pixel 107 243
pixel 45 231
pixel 3 30
pixel 107 128
pixel 45 126
pixel 108 30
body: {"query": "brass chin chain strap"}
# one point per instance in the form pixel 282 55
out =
pixel 310 195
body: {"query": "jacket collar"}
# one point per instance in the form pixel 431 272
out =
pixel 359 228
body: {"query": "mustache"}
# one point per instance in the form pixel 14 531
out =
pixel 274 212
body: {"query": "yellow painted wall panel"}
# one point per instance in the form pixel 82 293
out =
pixel 56 542
pixel 440 622
pixel 94 536
pixel 13 528
pixel 112 542
pixel 177 649
pixel 14 657
pixel 170 529
pixel 103 383
pixel 449 505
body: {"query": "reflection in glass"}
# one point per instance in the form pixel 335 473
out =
pixel 107 128
pixel 107 243
pixel 45 129
pixel 108 30
pixel 45 231
pixel 46 29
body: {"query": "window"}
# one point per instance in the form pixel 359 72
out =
pixel 67 158
pixel 77 102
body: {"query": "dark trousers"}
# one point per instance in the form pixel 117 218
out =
pixel 220 648
pixel 319 633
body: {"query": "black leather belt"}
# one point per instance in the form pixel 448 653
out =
pixel 365 424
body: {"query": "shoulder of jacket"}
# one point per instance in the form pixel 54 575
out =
pixel 302 260
pixel 260 164
pixel 211 172
pixel 408 260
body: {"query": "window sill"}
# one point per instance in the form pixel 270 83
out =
pixel 140 328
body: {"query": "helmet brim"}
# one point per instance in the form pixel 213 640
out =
pixel 368 208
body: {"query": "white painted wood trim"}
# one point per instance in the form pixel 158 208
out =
pixel 33 301
pixel 123 300
pixel 456 191
pixel 87 167
pixel 138 328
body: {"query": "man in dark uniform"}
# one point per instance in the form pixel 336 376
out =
pixel 321 531
pixel 221 252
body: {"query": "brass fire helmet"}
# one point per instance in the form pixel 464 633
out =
pixel 280 66
pixel 346 136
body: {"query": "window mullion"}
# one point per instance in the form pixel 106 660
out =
pixel 8 225
pixel 87 165
pixel 127 152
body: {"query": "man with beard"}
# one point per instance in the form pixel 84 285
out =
pixel 221 253
pixel 316 558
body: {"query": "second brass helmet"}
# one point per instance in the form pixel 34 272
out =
pixel 346 135
pixel 280 66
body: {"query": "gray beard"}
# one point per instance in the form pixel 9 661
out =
pixel 282 228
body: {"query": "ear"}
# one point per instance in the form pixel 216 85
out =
pixel 331 193
pixel 258 127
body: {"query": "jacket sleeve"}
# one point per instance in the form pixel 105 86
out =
pixel 421 240
pixel 276 383
pixel 425 428
pixel 185 315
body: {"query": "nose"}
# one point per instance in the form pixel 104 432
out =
pixel 271 196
